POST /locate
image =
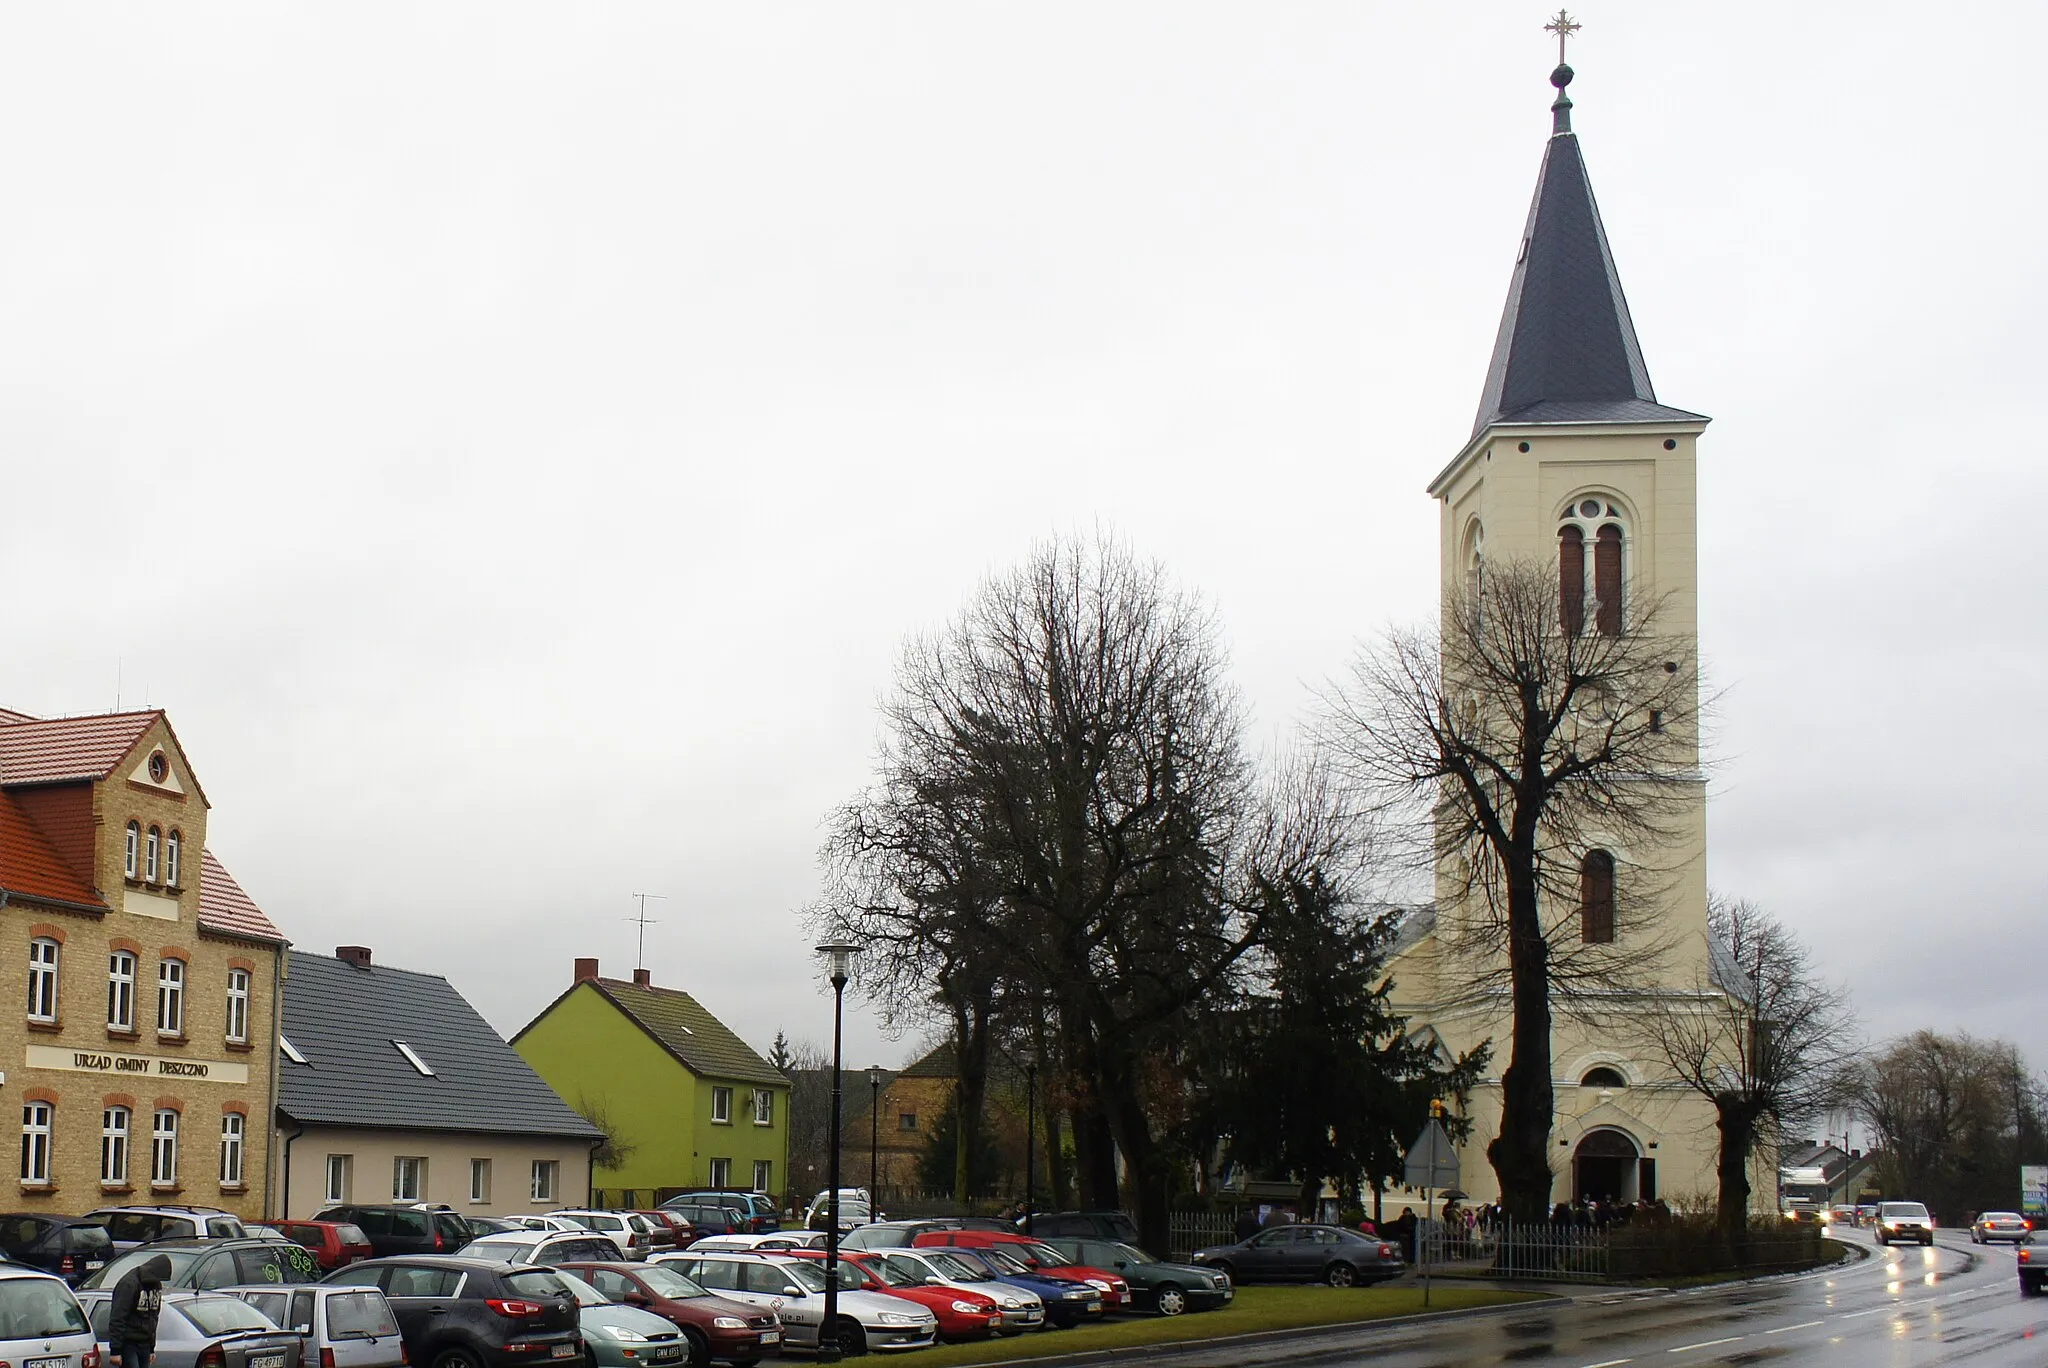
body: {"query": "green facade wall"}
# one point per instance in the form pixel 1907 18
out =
pixel 593 1054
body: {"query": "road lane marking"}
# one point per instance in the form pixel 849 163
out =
pixel 1705 1344
pixel 1610 1363
pixel 1803 1325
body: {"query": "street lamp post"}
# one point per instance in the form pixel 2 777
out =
pixel 874 1139
pixel 1030 1138
pixel 839 960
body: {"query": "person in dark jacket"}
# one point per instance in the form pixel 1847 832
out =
pixel 138 1297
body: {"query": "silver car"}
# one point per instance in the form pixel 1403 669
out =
pixel 345 1326
pixel 41 1322
pixel 192 1324
pixel 794 1289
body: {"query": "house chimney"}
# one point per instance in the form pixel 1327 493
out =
pixel 586 970
pixel 358 955
pixel 644 977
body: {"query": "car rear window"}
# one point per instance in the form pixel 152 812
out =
pixel 19 1232
pixel 180 1260
pixel 222 1315
pixel 359 1313
pixel 87 1239
pixel 411 1223
pixel 37 1308
pixel 350 1234
pixel 537 1282
pixel 225 1228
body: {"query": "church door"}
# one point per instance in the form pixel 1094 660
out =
pixel 1605 1168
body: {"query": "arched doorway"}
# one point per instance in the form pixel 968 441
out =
pixel 1605 1168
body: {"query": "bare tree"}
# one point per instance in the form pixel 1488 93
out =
pixel 1761 1036
pixel 1063 819
pixel 1954 1117
pixel 808 1066
pixel 1516 738
pixel 614 1150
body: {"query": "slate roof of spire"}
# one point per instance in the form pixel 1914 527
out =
pixel 1567 349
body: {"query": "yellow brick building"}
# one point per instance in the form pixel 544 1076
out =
pixel 143 1066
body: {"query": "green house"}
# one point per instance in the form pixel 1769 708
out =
pixel 690 1103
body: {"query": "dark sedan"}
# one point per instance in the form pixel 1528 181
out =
pixel 1168 1288
pixel 69 1246
pixel 1306 1253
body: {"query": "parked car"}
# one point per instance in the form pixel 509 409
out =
pixel 1083 1225
pixel 2032 1271
pixel 1037 1257
pixel 794 1289
pixel 1306 1253
pixel 525 1222
pixel 546 1247
pixel 678 1224
pixel 616 1335
pixel 402 1227
pixel 1904 1221
pixel 1068 1301
pixel 2001 1225
pixel 853 1214
pixel 338 1327
pixel 218 1263
pixel 892 1234
pixel 774 1241
pixel 962 1315
pixel 1022 1309
pixel 1168 1288
pixel 634 1240
pixel 457 1312
pixel 716 1327
pixel 203 1330
pixel 758 1207
pixel 129 1226
pixel 334 1244
pixel 71 1247
pixel 666 1233
pixel 41 1322
pixel 481 1226
pixel 707 1219
pixel 256 1230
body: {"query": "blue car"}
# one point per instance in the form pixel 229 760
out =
pixel 1067 1302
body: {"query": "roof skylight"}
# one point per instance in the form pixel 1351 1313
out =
pixel 412 1058
pixel 291 1051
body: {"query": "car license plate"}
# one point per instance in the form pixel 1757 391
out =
pixel 667 1352
pixel 1229 1292
pixel 266 1361
pixel 563 1351
pixel 1095 1306
pixel 771 1337
pixel 47 1363
pixel 95 1263
pixel 1032 1314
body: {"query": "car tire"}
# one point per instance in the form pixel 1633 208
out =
pixel 1170 1300
pixel 699 1349
pixel 852 1340
pixel 1341 1274
pixel 459 1357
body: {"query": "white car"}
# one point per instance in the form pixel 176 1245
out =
pixel 1022 1308
pixel 542 1222
pixel 546 1247
pixel 629 1230
pixel 765 1241
pixel 41 1321
pixel 794 1289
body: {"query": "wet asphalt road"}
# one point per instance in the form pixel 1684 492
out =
pixel 1955 1303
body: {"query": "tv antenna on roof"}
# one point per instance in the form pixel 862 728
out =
pixel 640 960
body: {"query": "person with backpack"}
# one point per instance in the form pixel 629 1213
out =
pixel 138 1297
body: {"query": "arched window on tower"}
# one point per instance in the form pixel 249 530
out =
pixel 1603 1076
pixel 1592 527
pixel 1596 898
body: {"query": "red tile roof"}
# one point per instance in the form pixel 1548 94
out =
pixel 225 908
pixel 54 750
pixel 29 868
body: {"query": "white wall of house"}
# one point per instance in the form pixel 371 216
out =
pixel 440 1163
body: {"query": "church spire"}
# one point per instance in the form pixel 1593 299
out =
pixel 1567 350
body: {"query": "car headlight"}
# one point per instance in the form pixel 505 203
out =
pixel 622 1334
pixel 1201 1256
pixel 1011 1303
pixel 1079 1294
pixel 1098 1284
pixel 728 1323
pixel 897 1318
pixel 969 1309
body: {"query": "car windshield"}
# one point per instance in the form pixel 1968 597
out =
pixel 850 1274
pixel 895 1277
pixel 216 1316
pixel 953 1266
pixel 36 1308
pixel 585 1294
pixel 2000 1216
pixel 666 1282
pixel 1132 1254
pixel 180 1260
pixel 1047 1256
pixel 353 1314
pixel 1002 1260
pixel 1903 1209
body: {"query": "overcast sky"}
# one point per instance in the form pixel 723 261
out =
pixel 514 441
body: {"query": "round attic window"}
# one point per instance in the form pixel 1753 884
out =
pixel 159 767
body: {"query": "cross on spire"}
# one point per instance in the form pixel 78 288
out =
pixel 1564 26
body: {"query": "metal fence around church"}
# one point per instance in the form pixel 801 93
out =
pixel 1543 1251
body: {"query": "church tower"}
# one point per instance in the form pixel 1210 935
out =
pixel 1574 462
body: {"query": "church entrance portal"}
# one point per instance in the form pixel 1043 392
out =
pixel 1607 1167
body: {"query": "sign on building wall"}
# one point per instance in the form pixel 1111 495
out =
pixel 2034 1190
pixel 135 1066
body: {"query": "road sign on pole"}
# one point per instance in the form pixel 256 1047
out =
pixel 1432 1163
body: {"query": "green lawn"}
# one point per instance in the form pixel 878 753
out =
pixel 1256 1309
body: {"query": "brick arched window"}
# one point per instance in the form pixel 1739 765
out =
pixel 1596 898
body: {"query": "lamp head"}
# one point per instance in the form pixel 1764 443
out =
pixel 874 1075
pixel 839 959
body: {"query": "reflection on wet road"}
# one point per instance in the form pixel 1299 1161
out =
pixel 1954 1303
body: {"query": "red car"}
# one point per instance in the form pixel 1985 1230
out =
pixel 730 1331
pixel 1039 1257
pixel 335 1244
pixel 963 1315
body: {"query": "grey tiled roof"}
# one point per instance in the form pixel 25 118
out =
pixel 1567 349
pixel 344 1020
pixel 698 1040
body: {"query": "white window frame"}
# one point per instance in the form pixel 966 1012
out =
pixel 170 997
pixel 121 969
pixel 764 1106
pixel 339 1167
pixel 409 1178
pixel 721 1106
pixel 152 854
pixel 171 843
pixel 412 1057
pixel 133 850
pixel 163 1149
pixel 116 1123
pixel 238 1006
pixel 546 1172
pixel 720 1174
pixel 234 1132
pixel 43 956
pixel 479 1180
pixel 764 1171
pixel 38 1120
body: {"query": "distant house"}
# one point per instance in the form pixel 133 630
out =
pixel 1825 1175
pixel 689 1104
pixel 392 1088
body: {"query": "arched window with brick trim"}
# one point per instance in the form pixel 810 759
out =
pixel 1596 898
